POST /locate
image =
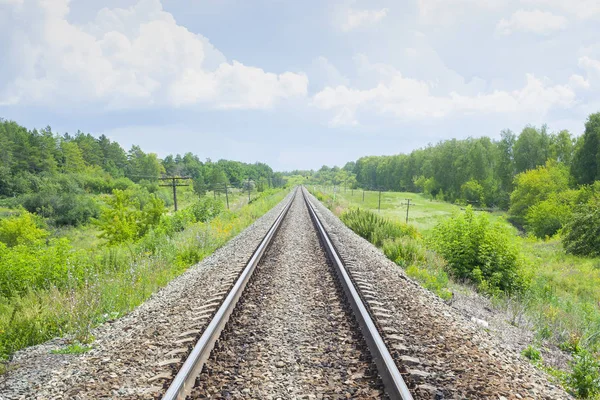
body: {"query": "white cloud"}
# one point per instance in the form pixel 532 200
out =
pixel 584 9
pixel 536 21
pixel 408 98
pixel 134 57
pixel 357 18
pixel 579 81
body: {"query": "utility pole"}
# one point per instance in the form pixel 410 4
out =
pixel 249 188
pixel 379 209
pixel 363 195
pixel 226 196
pixel 407 208
pixel 174 185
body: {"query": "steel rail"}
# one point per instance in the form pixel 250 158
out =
pixel 394 385
pixel 184 380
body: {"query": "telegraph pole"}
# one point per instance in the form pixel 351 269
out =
pixel 174 185
pixel 379 209
pixel 407 208
pixel 226 196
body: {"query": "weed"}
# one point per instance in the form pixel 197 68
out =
pixel 585 378
pixel 73 348
pixel 532 354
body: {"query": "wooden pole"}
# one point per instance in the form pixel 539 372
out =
pixel 174 194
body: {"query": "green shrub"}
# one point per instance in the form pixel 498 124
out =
pixel 374 228
pixel 472 192
pixel 547 217
pixel 206 209
pixel 535 186
pixel 479 251
pixel 585 378
pixel 404 251
pixel 37 266
pixel 124 220
pixel 582 232
pixel 21 230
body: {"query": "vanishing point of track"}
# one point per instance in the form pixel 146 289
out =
pixel 313 338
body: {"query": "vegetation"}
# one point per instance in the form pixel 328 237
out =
pixel 560 291
pixel 479 251
pixel 85 233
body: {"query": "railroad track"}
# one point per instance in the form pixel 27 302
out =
pixel 290 331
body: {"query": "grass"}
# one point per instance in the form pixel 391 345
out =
pixel 124 277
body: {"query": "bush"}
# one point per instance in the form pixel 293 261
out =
pixel 21 230
pixel 123 219
pixel 434 280
pixel 62 200
pixel 404 251
pixel 582 232
pixel 535 186
pixel 206 209
pixel 585 378
pixel 479 251
pixel 374 228
pixel 473 192
pixel 546 218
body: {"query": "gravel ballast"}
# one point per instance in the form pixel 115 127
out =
pixel 292 336
pixel 441 353
pixel 128 356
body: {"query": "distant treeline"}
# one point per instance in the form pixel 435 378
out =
pixel 55 175
pixel 462 169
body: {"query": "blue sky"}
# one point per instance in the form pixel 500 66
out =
pixel 298 84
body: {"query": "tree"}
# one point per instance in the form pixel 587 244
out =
pixel 582 232
pixel 535 186
pixel 72 158
pixel 561 147
pixel 586 162
pixel 531 149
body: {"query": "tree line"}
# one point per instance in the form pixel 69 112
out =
pixel 56 175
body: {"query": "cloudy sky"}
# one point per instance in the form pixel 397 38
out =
pixel 298 84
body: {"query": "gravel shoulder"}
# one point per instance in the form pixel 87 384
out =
pixel 129 352
pixel 442 353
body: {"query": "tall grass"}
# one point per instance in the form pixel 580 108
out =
pixel 116 279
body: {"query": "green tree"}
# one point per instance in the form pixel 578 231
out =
pixel 535 186
pixel 582 232
pixel 586 161
pixel 531 149
pixel 119 219
pixel 72 159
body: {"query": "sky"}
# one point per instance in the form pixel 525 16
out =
pixel 298 84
